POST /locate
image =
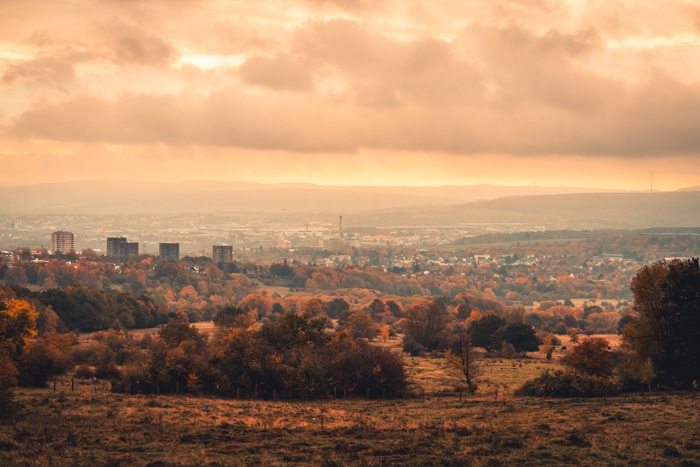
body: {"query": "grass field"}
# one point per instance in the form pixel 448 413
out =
pixel 94 427
pixel 87 428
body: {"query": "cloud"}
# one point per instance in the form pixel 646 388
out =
pixel 658 118
pixel 224 118
pixel 129 44
pixel 526 77
pixel 51 70
pixel 546 70
pixel 382 72
pixel 282 72
pixel 56 58
pixel 350 5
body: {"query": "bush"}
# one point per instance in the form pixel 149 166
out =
pixel 84 372
pixel 591 356
pixel 132 379
pixel 39 362
pixel 90 354
pixel 412 347
pixel 567 384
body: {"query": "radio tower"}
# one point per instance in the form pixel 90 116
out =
pixel 340 226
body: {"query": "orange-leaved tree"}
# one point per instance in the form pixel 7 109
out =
pixel 592 357
pixel 17 324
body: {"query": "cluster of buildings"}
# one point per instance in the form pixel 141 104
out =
pixel 120 247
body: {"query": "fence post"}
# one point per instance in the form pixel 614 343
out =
pixel 320 403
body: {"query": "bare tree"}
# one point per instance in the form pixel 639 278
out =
pixel 463 363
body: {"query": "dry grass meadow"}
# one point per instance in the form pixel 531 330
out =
pixel 94 427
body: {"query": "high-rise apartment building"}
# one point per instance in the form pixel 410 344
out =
pixel 128 249
pixel 222 253
pixel 169 251
pixel 62 242
pixel 120 247
pixel 113 245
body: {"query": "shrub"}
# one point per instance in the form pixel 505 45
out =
pixel 90 353
pixel 132 379
pixel 567 384
pixel 39 361
pixel 412 347
pixel 591 356
pixel 84 372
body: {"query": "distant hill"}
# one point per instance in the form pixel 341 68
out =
pixel 548 207
pixel 583 211
pixel 690 188
pixel 133 197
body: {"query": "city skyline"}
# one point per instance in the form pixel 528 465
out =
pixel 546 93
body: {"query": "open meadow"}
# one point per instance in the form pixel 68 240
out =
pixel 100 428
pixel 91 426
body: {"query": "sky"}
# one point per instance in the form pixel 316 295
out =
pixel 602 93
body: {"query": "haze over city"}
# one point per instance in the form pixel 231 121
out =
pixel 548 93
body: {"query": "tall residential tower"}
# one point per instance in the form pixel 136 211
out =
pixel 222 253
pixel 169 251
pixel 113 245
pixel 62 242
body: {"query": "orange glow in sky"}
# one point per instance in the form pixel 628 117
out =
pixel 352 92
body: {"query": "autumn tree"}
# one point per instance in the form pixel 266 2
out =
pixel 336 307
pixel 426 324
pixel 360 324
pixel 230 317
pixel 17 324
pixel 178 331
pixel 292 330
pixel 377 309
pixel 45 357
pixel 394 308
pixel 667 329
pixel 592 357
pixel 483 331
pixel 547 347
pixel 521 336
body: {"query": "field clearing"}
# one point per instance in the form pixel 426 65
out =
pixel 88 428
pixel 205 327
pixel 578 302
pixel 432 375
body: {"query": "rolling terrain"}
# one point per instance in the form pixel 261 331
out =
pixel 128 197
